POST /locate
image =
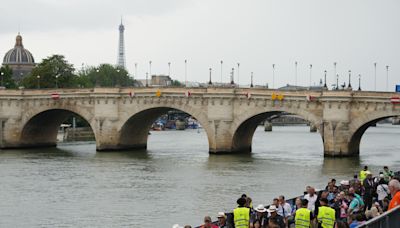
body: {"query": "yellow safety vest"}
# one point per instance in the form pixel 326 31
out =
pixel 302 218
pixel 326 216
pixel 241 217
pixel 363 175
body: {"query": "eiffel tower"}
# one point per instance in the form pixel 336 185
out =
pixel 121 46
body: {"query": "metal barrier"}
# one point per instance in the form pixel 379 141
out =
pixel 389 219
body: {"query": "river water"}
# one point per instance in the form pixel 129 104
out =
pixel 174 181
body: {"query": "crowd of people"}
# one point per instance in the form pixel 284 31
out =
pixel 348 204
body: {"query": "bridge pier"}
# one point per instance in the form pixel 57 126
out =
pixel 336 139
pixel 313 127
pixel 267 125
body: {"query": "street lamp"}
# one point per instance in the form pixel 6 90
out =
pixel 325 86
pixel 238 64
pixel 359 82
pixel 349 86
pixel 150 68
pixel 273 75
pixel 232 76
pixel 387 77
pixel 135 69
pixel 251 84
pixel 375 76
pixel 38 82
pixel 310 73
pixel 2 76
pixel 169 69
pixel 335 73
pixel 147 76
pixel 210 82
pixel 221 70
pixel 295 65
pixel 97 77
pixel 57 80
pixel 185 72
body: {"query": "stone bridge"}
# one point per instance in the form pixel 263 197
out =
pixel 121 118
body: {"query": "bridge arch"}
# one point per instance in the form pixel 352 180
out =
pixel 40 128
pixel 361 124
pixel 133 132
pixel 245 125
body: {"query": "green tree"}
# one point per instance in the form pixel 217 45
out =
pixel 106 75
pixel 6 78
pixel 52 72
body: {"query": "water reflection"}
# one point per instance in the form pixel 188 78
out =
pixel 340 166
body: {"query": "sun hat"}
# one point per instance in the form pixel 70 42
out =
pixel 271 208
pixel 260 208
pixel 221 215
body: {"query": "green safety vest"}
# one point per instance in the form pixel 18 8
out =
pixel 241 217
pixel 302 218
pixel 326 216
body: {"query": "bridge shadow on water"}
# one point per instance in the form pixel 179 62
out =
pixel 340 166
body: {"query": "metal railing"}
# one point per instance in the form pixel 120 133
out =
pixel 389 219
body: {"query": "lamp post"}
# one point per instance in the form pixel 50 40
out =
pixel 221 70
pixel 251 84
pixel 273 75
pixel 295 65
pixel 335 73
pixel 135 69
pixel 147 82
pixel 375 76
pixel 97 77
pixel 359 82
pixel 185 72
pixel 238 64
pixel 38 81
pixel 232 76
pixel 210 82
pixel 57 80
pixel 310 73
pixel 349 86
pixel 150 68
pixel 2 78
pixel 387 78
pixel 325 86
pixel 169 69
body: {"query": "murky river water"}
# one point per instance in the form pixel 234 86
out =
pixel 174 181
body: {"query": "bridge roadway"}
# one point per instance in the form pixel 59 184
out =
pixel 121 117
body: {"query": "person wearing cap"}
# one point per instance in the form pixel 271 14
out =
pixel 303 216
pixel 369 190
pixel 221 220
pixel 259 216
pixel 208 223
pixel 241 214
pixel 273 215
pixel 363 174
pixel 326 215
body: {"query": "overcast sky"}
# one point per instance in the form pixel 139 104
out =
pixel 254 33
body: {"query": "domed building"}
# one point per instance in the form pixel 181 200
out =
pixel 19 59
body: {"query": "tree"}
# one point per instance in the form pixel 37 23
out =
pixel 106 75
pixel 6 78
pixel 52 72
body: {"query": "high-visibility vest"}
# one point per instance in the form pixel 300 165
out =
pixel 302 218
pixel 241 217
pixel 326 216
pixel 363 175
